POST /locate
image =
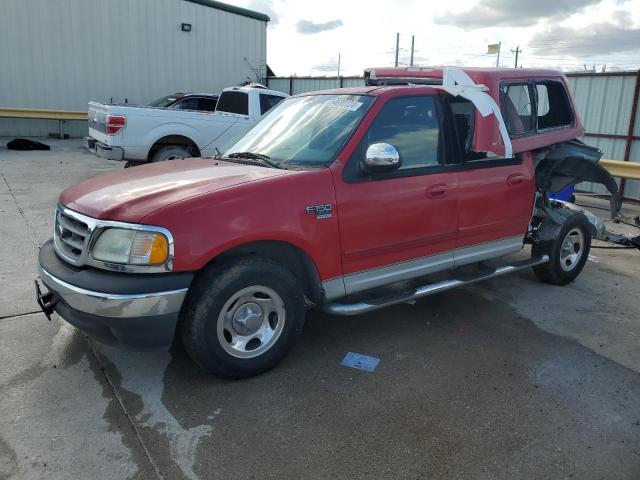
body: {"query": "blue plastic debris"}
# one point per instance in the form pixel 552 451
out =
pixel 361 362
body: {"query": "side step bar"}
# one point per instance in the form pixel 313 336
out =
pixel 419 292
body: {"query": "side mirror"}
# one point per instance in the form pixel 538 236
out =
pixel 381 157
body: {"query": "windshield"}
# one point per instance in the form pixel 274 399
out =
pixel 305 131
pixel 163 102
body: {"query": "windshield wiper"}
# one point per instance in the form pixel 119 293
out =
pixel 258 158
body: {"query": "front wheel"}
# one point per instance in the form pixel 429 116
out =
pixel 243 317
pixel 568 252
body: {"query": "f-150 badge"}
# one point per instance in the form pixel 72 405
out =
pixel 322 211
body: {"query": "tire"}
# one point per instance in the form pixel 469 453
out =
pixel 133 163
pixel 170 152
pixel 568 253
pixel 241 318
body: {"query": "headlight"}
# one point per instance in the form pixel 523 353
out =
pixel 133 247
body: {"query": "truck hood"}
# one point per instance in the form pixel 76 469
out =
pixel 128 195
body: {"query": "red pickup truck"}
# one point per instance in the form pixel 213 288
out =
pixel 347 200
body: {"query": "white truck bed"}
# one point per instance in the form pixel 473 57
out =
pixel 148 127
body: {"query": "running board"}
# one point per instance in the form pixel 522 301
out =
pixel 381 302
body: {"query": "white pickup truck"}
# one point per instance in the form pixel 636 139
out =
pixel 151 134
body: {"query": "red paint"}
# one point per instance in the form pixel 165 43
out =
pixel 211 206
pixel 128 195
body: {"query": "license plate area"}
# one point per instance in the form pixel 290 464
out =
pixel 46 301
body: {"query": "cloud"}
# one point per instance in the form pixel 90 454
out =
pixel 512 13
pixel 265 6
pixel 594 39
pixel 307 27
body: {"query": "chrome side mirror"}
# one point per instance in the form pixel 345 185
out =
pixel 381 157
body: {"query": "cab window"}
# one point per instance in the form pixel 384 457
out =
pixel 411 125
pixel 517 108
pixel 233 102
pixel 554 108
pixel 267 102
pixel 190 103
pixel 207 104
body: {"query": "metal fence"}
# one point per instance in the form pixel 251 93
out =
pixel 607 104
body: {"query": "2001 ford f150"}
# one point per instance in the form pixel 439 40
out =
pixel 346 200
pixel 140 133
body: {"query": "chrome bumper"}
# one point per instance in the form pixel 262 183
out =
pixel 102 150
pixel 115 305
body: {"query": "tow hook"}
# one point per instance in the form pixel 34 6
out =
pixel 46 301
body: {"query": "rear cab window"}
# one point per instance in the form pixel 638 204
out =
pixel 533 106
pixel 233 102
pixel 464 115
pixel 267 102
pixel 554 107
pixel 517 108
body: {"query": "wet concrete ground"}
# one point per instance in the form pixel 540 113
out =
pixel 506 379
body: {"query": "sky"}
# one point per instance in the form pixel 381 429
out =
pixel 306 37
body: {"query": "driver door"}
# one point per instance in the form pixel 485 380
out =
pixel 400 224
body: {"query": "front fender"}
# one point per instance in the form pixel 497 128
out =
pixel 274 209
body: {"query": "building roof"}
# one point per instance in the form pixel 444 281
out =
pixel 232 9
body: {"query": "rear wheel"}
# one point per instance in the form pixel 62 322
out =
pixel 170 152
pixel 568 253
pixel 242 318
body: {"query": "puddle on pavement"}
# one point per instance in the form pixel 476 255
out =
pixel 142 374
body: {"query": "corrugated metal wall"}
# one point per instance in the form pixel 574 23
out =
pixel 295 85
pixel 604 103
pixel 61 54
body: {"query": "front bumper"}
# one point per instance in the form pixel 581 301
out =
pixel 103 150
pixel 135 311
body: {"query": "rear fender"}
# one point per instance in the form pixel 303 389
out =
pixel 570 163
pixel 169 129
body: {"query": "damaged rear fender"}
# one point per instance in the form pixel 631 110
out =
pixel 570 163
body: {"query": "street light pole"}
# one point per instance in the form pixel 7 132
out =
pixel 516 51
pixel 397 47
pixel 413 38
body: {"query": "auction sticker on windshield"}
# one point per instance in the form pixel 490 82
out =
pixel 345 103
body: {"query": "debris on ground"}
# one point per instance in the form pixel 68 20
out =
pixel 26 145
pixel 361 362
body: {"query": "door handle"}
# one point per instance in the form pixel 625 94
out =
pixel 515 179
pixel 437 191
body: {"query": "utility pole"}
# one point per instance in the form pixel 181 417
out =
pixel 397 46
pixel 516 51
pixel 413 37
pixel 338 79
pixel 498 59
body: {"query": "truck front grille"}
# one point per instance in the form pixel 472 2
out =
pixel 71 236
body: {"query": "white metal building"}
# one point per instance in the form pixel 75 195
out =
pixel 61 54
